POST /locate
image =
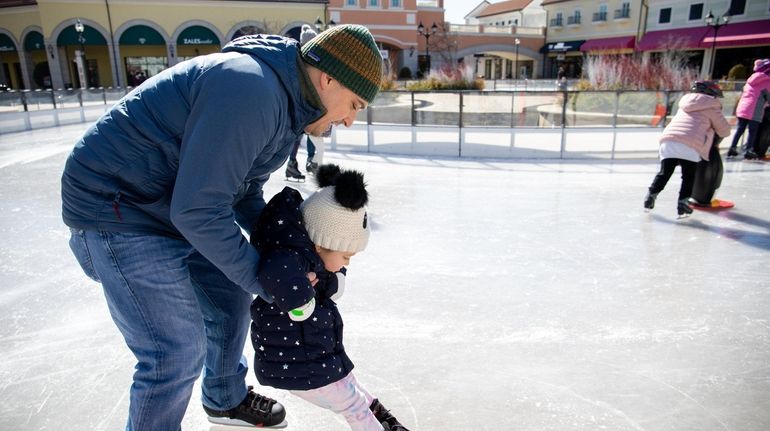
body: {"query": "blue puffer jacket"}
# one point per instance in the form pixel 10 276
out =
pixel 186 154
pixel 294 355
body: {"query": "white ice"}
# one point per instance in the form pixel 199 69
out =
pixel 494 295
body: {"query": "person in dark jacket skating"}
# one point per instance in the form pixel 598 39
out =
pixel 153 190
pixel 297 337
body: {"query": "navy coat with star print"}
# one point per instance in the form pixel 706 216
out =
pixel 294 355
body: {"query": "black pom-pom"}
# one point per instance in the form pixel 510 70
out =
pixel 327 175
pixel 350 190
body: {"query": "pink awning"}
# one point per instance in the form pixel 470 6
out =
pixel 609 43
pixel 741 34
pixel 732 34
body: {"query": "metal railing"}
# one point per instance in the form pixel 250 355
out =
pixel 622 13
pixel 600 16
pixel 573 20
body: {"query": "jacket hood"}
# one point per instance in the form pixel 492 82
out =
pixel 290 231
pixel 698 102
pixel 758 79
pixel 281 54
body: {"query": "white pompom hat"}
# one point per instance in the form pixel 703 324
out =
pixel 332 225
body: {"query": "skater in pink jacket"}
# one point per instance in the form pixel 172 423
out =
pixel 688 139
pixel 751 107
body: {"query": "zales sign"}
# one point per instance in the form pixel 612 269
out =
pixel 197 41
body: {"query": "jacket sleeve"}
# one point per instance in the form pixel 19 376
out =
pixel 284 277
pixel 248 209
pixel 719 124
pixel 233 115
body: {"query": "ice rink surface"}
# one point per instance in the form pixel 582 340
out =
pixel 494 295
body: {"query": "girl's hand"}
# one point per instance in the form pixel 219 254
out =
pixel 312 278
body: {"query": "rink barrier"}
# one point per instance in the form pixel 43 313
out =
pixel 543 124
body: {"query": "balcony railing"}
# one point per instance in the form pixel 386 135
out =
pixel 600 16
pixel 622 13
pixel 573 20
pixel 491 29
pixel 556 22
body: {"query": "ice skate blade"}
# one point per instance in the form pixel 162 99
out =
pixel 295 180
pixel 241 424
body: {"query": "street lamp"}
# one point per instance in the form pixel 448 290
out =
pixel 320 25
pixel 79 29
pixel 427 34
pixel 715 23
pixel 517 41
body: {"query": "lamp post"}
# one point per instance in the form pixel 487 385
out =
pixel 427 34
pixel 517 41
pixel 715 23
pixel 81 58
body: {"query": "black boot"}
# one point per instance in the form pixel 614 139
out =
pixel 649 200
pixel 292 171
pixel 388 421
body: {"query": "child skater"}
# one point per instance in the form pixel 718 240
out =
pixel 298 338
pixel 687 139
pixel 751 108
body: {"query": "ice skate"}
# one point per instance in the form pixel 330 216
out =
pixel 683 208
pixel 388 421
pixel 254 411
pixel 311 167
pixel 732 152
pixel 649 201
pixel 751 155
pixel 293 173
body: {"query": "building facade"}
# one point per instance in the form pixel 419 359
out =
pixel 720 35
pixel 580 28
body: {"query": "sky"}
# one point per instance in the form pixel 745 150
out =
pixel 457 9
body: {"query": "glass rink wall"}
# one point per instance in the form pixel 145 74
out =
pixel 492 124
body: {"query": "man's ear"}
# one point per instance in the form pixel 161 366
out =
pixel 326 80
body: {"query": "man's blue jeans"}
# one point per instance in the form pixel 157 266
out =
pixel 178 314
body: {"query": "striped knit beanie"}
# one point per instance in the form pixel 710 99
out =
pixel 348 54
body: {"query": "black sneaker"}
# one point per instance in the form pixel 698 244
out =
pixel 388 421
pixel 255 410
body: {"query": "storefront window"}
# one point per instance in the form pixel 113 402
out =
pixel 140 68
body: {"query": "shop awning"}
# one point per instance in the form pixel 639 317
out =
pixel 573 45
pixel 6 44
pixel 741 34
pixel 733 34
pixel 609 44
pixel 69 36
pixel 34 41
pixel 141 35
pixel 197 35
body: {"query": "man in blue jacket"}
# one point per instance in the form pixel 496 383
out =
pixel 153 190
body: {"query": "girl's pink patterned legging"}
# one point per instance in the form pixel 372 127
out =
pixel 348 398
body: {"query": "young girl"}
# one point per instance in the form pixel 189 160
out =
pixel 751 108
pixel 687 139
pixel 298 338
